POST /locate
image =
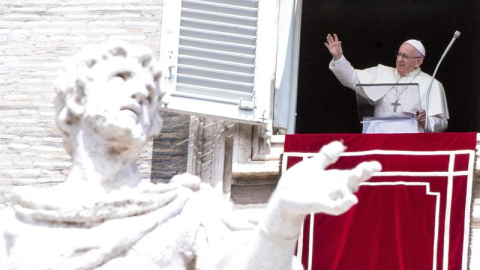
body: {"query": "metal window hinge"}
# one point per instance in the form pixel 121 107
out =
pixel 246 105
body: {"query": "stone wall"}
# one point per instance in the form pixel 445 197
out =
pixel 35 37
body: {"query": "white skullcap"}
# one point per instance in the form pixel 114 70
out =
pixel 417 44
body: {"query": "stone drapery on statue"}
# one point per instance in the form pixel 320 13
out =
pixel 103 216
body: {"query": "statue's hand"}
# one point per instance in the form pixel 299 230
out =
pixel 334 46
pixel 305 188
pixel 308 188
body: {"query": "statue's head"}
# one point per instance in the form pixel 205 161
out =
pixel 111 90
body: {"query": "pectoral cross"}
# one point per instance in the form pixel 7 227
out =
pixel 395 105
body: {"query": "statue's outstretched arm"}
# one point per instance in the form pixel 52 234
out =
pixel 305 188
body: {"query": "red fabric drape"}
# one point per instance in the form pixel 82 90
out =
pixel 412 215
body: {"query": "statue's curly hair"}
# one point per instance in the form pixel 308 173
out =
pixel 76 74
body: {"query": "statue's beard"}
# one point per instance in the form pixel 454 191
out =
pixel 118 131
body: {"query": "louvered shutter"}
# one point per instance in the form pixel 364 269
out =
pixel 210 54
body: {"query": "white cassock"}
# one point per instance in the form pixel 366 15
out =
pixel 389 105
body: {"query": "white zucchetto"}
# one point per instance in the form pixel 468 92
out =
pixel 417 44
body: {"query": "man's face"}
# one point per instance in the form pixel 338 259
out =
pixel 118 100
pixel 405 66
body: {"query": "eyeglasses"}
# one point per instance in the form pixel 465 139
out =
pixel 404 56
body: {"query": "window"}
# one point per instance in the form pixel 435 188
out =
pixel 219 57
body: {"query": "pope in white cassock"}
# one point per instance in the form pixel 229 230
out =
pixel 394 102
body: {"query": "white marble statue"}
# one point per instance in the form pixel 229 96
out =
pixel 103 216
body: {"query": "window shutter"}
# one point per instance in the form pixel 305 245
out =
pixel 210 54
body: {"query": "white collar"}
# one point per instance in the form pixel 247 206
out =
pixel 414 72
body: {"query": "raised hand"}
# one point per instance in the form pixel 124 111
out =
pixel 334 46
pixel 308 188
pixel 305 188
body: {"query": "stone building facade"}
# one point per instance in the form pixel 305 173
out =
pixel 36 36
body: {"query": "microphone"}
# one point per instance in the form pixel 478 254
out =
pixel 455 36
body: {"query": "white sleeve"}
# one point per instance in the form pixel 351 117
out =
pixel 344 72
pixel 437 124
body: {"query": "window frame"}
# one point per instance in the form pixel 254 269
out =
pixel 259 111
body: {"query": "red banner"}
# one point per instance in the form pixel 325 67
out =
pixel 414 214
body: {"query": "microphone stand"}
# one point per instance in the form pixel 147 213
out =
pixel 455 36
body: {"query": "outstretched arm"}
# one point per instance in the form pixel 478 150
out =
pixel 306 188
pixel 340 66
